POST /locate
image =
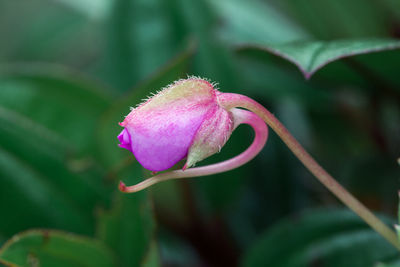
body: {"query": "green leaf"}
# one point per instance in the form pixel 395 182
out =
pixel 256 21
pixel 48 248
pixel 395 263
pixel 35 168
pixel 69 37
pixel 325 237
pixel 335 19
pixel 394 6
pixel 128 228
pixel 262 76
pixel 30 194
pixel 55 97
pixel 311 56
pixel 152 258
pixel 138 43
pixel 45 141
pixel 212 60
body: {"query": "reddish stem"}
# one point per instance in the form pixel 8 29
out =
pixel 230 101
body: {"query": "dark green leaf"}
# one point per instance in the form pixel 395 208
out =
pixel 69 38
pixel 30 192
pixel 329 238
pixel 256 21
pixel 311 56
pixel 336 19
pixel 152 258
pixel 128 228
pixel 138 43
pixel 57 98
pixel 264 77
pixel 212 60
pixel 395 263
pixel 47 124
pixel 393 6
pixel 47 248
pixel 35 167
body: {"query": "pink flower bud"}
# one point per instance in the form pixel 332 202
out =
pixel 188 119
pixel 183 120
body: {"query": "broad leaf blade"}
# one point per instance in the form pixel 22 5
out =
pixel 47 248
pixel 334 19
pixel 138 43
pixel 263 76
pixel 60 99
pixel 311 56
pixel 67 31
pixel 36 166
pixel 395 263
pixel 330 237
pixel 128 228
pixel 256 21
pixel 152 258
pixel 30 194
pixel 47 122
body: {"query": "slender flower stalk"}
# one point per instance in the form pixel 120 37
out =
pixel 229 101
pixel 192 119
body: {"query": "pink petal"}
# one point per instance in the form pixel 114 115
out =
pixel 125 140
pixel 161 137
pixel 161 130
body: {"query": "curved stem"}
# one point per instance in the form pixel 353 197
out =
pixel 240 117
pixel 229 101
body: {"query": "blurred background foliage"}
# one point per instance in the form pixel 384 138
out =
pixel 70 70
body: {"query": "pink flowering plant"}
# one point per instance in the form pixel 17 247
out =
pixel 82 185
pixel 192 120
